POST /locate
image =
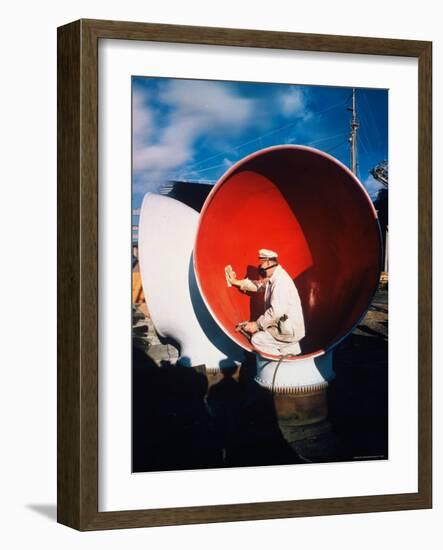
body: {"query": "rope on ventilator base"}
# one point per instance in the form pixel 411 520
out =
pixel 276 369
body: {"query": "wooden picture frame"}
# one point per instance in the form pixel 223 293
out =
pixel 78 274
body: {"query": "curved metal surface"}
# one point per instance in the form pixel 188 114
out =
pixel 167 231
pixel 311 374
pixel 314 212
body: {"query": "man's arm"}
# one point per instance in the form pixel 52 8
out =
pixel 245 285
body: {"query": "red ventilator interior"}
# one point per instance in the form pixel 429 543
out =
pixel 315 214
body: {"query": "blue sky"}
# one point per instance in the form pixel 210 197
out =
pixel 196 129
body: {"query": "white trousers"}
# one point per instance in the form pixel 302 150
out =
pixel 265 342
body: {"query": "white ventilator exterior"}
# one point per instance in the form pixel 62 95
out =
pixel 295 376
pixel 167 230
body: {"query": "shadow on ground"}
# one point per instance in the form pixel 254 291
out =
pixel 48 511
pixel 180 423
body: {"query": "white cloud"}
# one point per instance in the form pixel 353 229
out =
pixel 194 109
pixel 293 102
pixel 166 136
pixel 372 186
pixel 142 117
pixel 210 101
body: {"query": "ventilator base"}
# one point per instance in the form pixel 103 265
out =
pixel 299 388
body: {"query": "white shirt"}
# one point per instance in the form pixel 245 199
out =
pixel 281 297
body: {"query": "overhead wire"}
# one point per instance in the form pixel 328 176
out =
pixel 372 116
pixel 266 134
pixel 274 131
pixel 309 143
pixel 337 147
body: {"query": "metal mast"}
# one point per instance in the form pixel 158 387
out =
pixel 353 136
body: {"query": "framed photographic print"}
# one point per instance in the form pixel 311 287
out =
pixel 244 280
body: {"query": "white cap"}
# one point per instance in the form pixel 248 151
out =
pixel 265 254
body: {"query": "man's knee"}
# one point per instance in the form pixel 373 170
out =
pixel 256 338
pixel 263 340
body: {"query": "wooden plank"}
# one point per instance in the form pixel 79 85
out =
pixel 68 275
